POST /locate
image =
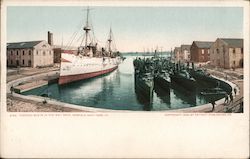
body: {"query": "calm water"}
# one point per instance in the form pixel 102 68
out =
pixel 116 91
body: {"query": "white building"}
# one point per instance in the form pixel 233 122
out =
pixel 185 53
pixel 177 52
pixel 29 54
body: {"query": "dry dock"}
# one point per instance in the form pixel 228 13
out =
pixel 17 104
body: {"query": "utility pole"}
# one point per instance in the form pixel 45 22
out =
pixel 224 61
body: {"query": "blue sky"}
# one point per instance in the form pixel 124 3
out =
pixel 134 28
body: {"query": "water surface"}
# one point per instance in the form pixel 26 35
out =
pixel 116 90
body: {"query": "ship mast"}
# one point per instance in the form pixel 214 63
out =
pixel 86 28
pixel 109 41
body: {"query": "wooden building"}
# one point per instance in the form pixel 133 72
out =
pixel 227 53
pixel 200 51
pixel 185 53
pixel 177 51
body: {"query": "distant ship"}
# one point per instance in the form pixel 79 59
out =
pixel 88 61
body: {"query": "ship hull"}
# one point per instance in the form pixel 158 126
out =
pixel 78 77
pixel 76 67
pixel 186 83
pixel 144 87
pixel 162 81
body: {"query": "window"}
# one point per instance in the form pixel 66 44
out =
pixel 242 50
pixel 17 62
pixel 17 52
pixel 217 50
pixel 234 64
pixel 234 51
pixel 49 52
pixel 11 62
pixel 43 53
pixel 202 51
pixel 11 52
pixel 208 52
pixel 37 52
pixel 23 62
pixel 23 52
pixel 29 52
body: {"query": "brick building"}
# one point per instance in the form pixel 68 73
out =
pixel 227 53
pixel 200 51
pixel 29 54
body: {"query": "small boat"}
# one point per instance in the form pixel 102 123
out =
pixel 213 91
pixel 184 79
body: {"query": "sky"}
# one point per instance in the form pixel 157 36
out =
pixel 134 28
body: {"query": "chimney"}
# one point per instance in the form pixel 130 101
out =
pixel 50 38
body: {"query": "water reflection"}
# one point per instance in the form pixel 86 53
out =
pixel 163 94
pixel 145 100
pixel 186 96
pixel 117 90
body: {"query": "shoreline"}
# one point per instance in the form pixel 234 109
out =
pixel 21 103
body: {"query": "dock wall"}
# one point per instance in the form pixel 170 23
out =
pixel 43 76
pixel 225 84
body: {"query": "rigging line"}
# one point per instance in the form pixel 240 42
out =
pixel 80 37
pixel 114 43
pixel 76 30
pixel 83 37
pixel 72 39
pixel 81 23
pixel 93 32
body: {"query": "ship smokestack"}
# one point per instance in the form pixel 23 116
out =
pixel 50 38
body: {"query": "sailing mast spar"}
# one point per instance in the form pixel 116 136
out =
pixel 109 41
pixel 86 28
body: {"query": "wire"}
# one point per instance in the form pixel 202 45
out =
pixel 74 34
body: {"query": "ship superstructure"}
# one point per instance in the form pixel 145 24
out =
pixel 88 61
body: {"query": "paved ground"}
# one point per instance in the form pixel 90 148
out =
pixel 14 73
pixel 233 76
pixel 15 104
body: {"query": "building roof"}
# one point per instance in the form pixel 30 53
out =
pixel 22 45
pixel 233 42
pixel 185 47
pixel 203 44
pixel 177 48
